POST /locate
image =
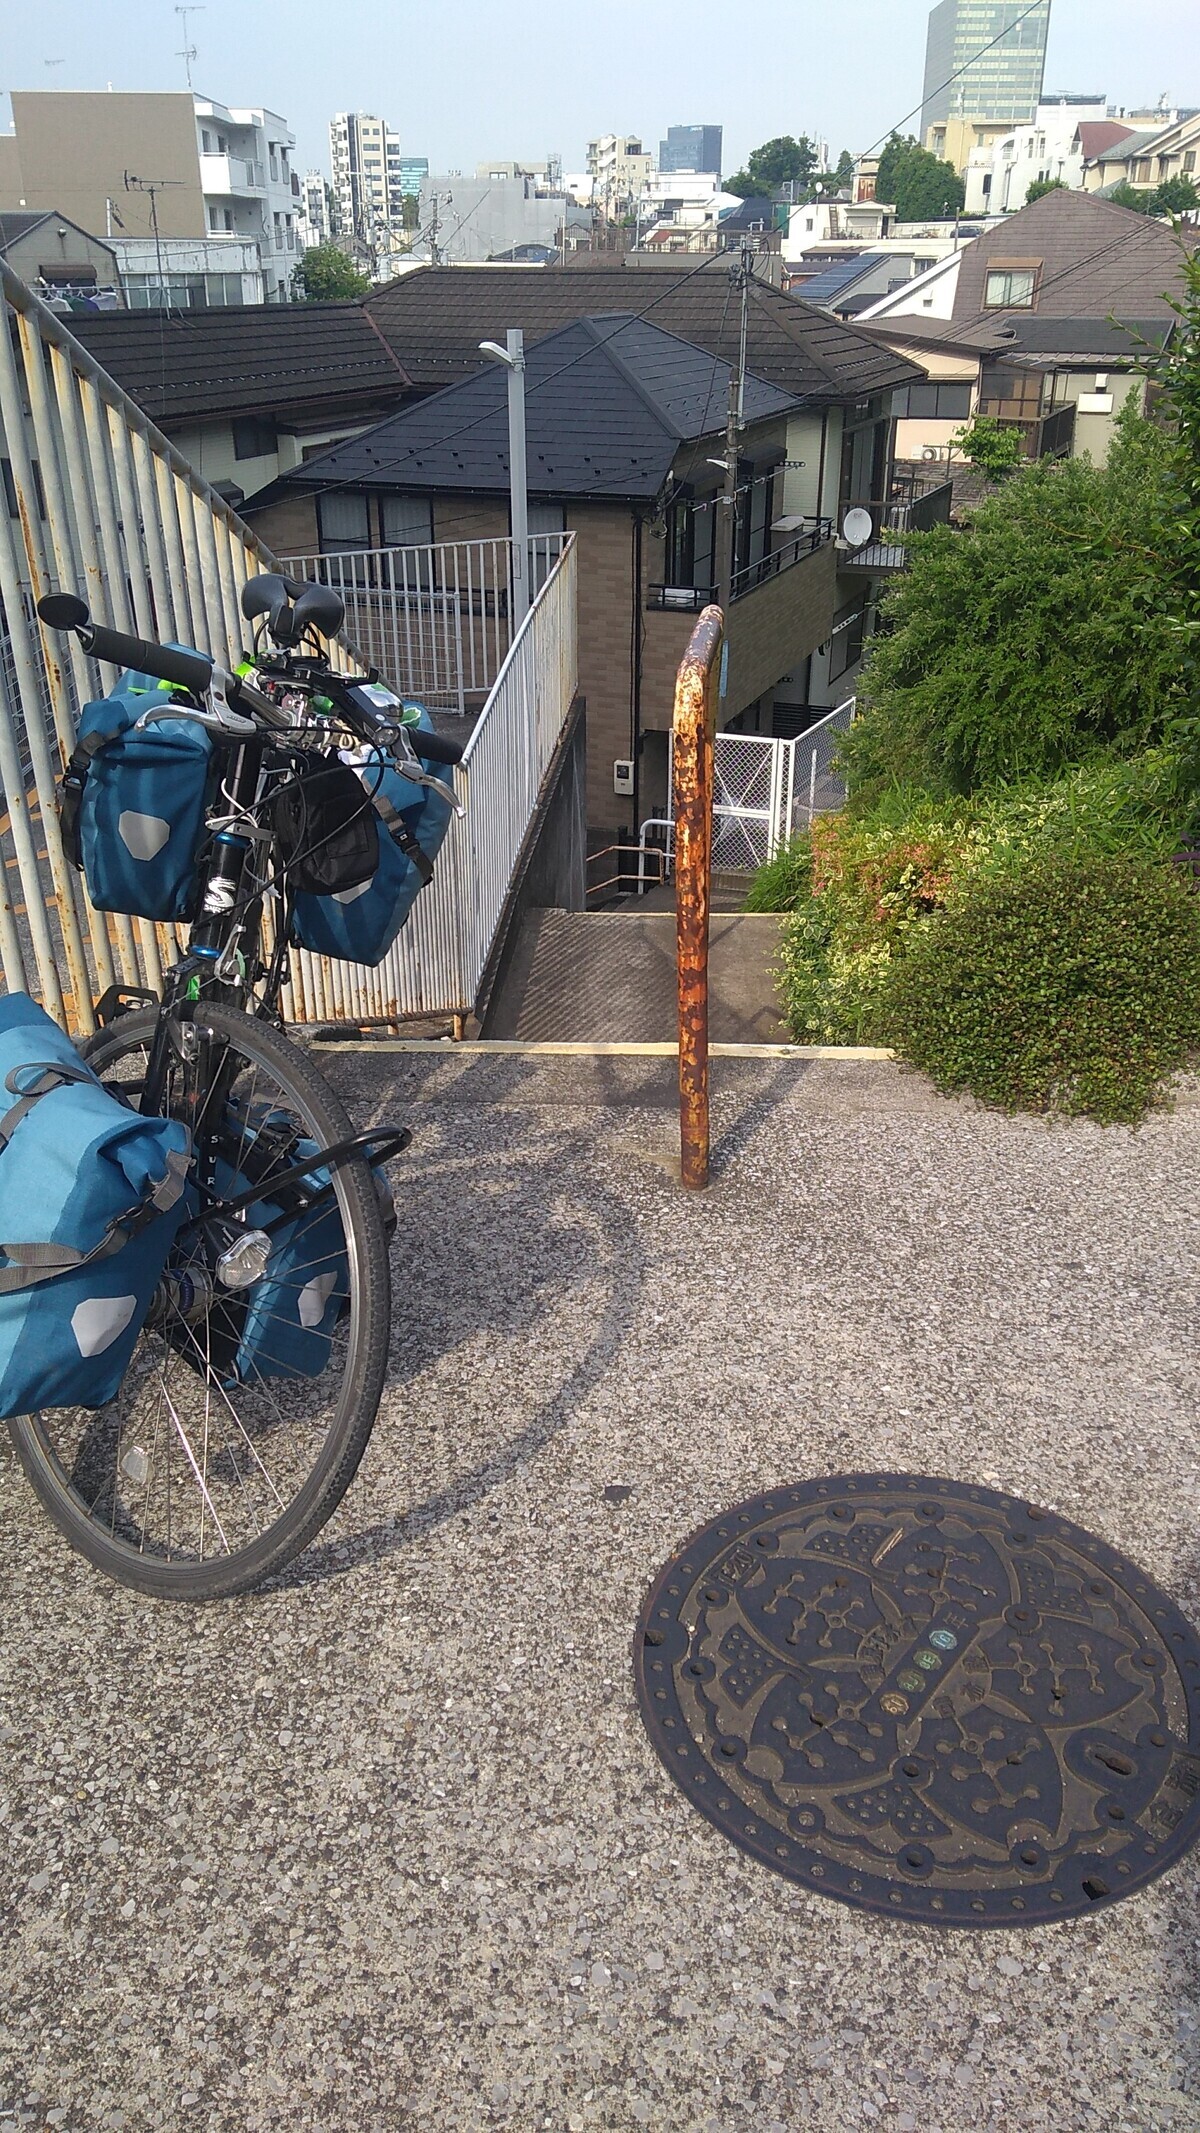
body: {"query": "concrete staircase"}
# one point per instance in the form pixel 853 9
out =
pixel 592 977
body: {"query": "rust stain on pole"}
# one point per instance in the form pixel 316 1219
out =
pixel 694 727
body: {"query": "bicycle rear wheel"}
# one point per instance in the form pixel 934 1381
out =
pixel 205 1475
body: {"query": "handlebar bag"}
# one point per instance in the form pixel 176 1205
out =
pixel 359 924
pixel 91 1197
pixel 132 805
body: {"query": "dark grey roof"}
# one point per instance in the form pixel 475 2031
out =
pixel 608 403
pixel 245 359
pixel 435 318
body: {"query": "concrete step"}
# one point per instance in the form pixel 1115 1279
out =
pixel 591 977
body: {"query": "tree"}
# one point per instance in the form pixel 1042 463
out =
pixel 1125 195
pixel 1175 196
pixel 1041 186
pixel 783 161
pixel 1045 631
pixel 991 447
pixel 919 186
pixel 325 274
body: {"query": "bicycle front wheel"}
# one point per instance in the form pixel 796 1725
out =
pixel 215 1465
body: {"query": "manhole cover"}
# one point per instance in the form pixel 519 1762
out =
pixel 926 1699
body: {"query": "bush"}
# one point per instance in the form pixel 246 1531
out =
pixel 785 880
pixel 875 881
pixel 1040 634
pixel 1069 983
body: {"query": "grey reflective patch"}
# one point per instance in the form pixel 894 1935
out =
pixel 143 836
pixel 97 1322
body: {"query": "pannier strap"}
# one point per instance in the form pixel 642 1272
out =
pixel 396 826
pixel 29 1264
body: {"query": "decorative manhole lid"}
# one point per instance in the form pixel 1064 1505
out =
pixel 926 1699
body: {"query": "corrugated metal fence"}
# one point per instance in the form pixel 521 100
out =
pixel 103 504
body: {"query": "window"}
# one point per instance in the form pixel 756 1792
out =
pixel 1010 288
pixel 343 521
pixel 951 403
pixel 407 521
pixel 254 436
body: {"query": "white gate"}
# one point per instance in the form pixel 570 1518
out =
pixel 765 790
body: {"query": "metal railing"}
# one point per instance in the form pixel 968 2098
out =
pixel 436 620
pixel 106 506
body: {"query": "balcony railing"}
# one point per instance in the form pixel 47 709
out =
pixel 689 599
pixel 1045 436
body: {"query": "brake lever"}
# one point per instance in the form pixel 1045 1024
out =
pixel 404 757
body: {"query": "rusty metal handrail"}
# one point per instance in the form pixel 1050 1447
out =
pixel 694 728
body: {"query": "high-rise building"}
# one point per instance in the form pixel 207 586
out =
pixel 983 62
pixel 368 182
pixel 693 148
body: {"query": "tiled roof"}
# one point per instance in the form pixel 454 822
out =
pixel 608 403
pixel 435 318
pixel 1097 261
pixel 245 359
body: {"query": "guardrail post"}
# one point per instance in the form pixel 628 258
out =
pixel 695 724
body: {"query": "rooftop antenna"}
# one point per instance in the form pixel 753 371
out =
pixel 189 50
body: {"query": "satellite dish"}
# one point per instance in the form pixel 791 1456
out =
pixel 857 527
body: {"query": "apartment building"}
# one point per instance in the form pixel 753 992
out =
pixel 368 180
pixel 136 164
pixel 620 169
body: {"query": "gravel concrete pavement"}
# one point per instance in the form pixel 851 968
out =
pixel 386 1846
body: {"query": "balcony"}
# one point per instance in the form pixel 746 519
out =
pixel 1045 434
pixel 229 176
pixel 689 599
pixel 914 506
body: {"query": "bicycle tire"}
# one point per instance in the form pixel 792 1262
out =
pixel 367 1321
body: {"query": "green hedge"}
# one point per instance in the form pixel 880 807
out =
pixel 1070 983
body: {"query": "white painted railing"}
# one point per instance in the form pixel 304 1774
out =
pixel 436 966
pixel 436 620
pixel 107 507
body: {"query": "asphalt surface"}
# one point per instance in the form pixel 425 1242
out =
pixel 387 1847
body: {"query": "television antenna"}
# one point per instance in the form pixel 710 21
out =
pixel 189 51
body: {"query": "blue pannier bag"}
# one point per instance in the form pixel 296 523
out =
pixel 286 1325
pixel 91 1197
pixel 132 805
pixel 360 923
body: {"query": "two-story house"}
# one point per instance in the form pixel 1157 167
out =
pixel 625 448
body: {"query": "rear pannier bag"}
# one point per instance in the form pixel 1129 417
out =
pixel 359 923
pixel 133 804
pixel 91 1197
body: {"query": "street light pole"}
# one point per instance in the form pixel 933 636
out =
pixel 512 355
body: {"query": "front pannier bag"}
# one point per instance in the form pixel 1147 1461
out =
pixel 91 1197
pixel 133 804
pixel 358 923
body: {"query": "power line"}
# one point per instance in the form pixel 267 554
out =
pixel 965 68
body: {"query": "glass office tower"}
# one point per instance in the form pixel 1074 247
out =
pixel 1002 84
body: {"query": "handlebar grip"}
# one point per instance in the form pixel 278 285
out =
pixel 431 747
pixel 191 670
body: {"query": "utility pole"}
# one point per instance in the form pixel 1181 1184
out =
pixel 734 420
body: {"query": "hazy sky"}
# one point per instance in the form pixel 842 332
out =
pixel 465 80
